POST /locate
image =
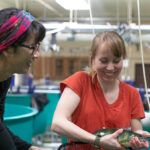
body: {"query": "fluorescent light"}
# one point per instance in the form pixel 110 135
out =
pixel 73 4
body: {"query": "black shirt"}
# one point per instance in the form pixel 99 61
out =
pixel 20 144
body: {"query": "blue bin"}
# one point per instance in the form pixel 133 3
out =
pixel 19 119
pixel 19 99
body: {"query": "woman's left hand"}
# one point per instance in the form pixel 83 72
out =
pixel 144 133
pixel 34 148
pixel 137 144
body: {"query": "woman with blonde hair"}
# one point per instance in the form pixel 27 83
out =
pixel 97 99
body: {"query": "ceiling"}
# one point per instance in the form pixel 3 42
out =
pixel 103 11
pixel 105 14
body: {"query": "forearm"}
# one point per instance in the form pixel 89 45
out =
pixel 67 105
pixel 72 131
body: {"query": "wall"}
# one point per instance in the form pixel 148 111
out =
pixel 78 51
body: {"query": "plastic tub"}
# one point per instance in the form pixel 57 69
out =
pixel 19 119
pixel 44 117
pixel 40 121
pixel 53 97
pixel 19 99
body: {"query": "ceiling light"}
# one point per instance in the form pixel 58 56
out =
pixel 73 4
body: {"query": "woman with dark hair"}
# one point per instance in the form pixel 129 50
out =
pixel 20 37
pixel 97 98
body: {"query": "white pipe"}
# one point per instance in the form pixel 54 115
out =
pixel 91 17
pixel 142 56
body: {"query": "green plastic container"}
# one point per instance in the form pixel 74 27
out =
pixel 40 121
pixel 19 99
pixel 19 119
pixel 53 97
pixel 44 117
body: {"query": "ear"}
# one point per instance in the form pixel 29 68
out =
pixel 8 52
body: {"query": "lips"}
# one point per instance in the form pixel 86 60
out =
pixel 109 74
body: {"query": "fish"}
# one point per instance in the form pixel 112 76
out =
pixel 124 138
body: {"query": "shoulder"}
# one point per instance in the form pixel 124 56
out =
pixel 79 76
pixel 128 88
pixel 78 79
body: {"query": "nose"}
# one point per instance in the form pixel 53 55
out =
pixel 110 66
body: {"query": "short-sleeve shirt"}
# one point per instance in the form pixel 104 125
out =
pixel 93 111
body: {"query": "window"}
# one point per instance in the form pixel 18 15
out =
pixel 72 67
pixel 59 68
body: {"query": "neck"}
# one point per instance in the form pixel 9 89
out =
pixel 107 87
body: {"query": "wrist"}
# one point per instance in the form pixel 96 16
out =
pixel 97 142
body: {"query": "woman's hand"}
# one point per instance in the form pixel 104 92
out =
pixel 110 142
pixel 34 148
pixel 144 133
pixel 137 144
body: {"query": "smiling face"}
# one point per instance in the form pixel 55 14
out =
pixel 107 66
pixel 23 58
pixel 107 54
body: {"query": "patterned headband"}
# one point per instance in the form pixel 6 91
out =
pixel 14 28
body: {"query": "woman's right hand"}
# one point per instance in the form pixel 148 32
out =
pixel 110 141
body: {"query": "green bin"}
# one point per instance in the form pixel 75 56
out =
pixel 19 119
pixel 40 121
pixel 19 99
pixel 53 97
pixel 44 117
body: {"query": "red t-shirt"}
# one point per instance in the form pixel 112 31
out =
pixel 93 111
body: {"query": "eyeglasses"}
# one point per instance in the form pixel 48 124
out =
pixel 34 48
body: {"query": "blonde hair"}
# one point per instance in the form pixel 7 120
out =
pixel 115 42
